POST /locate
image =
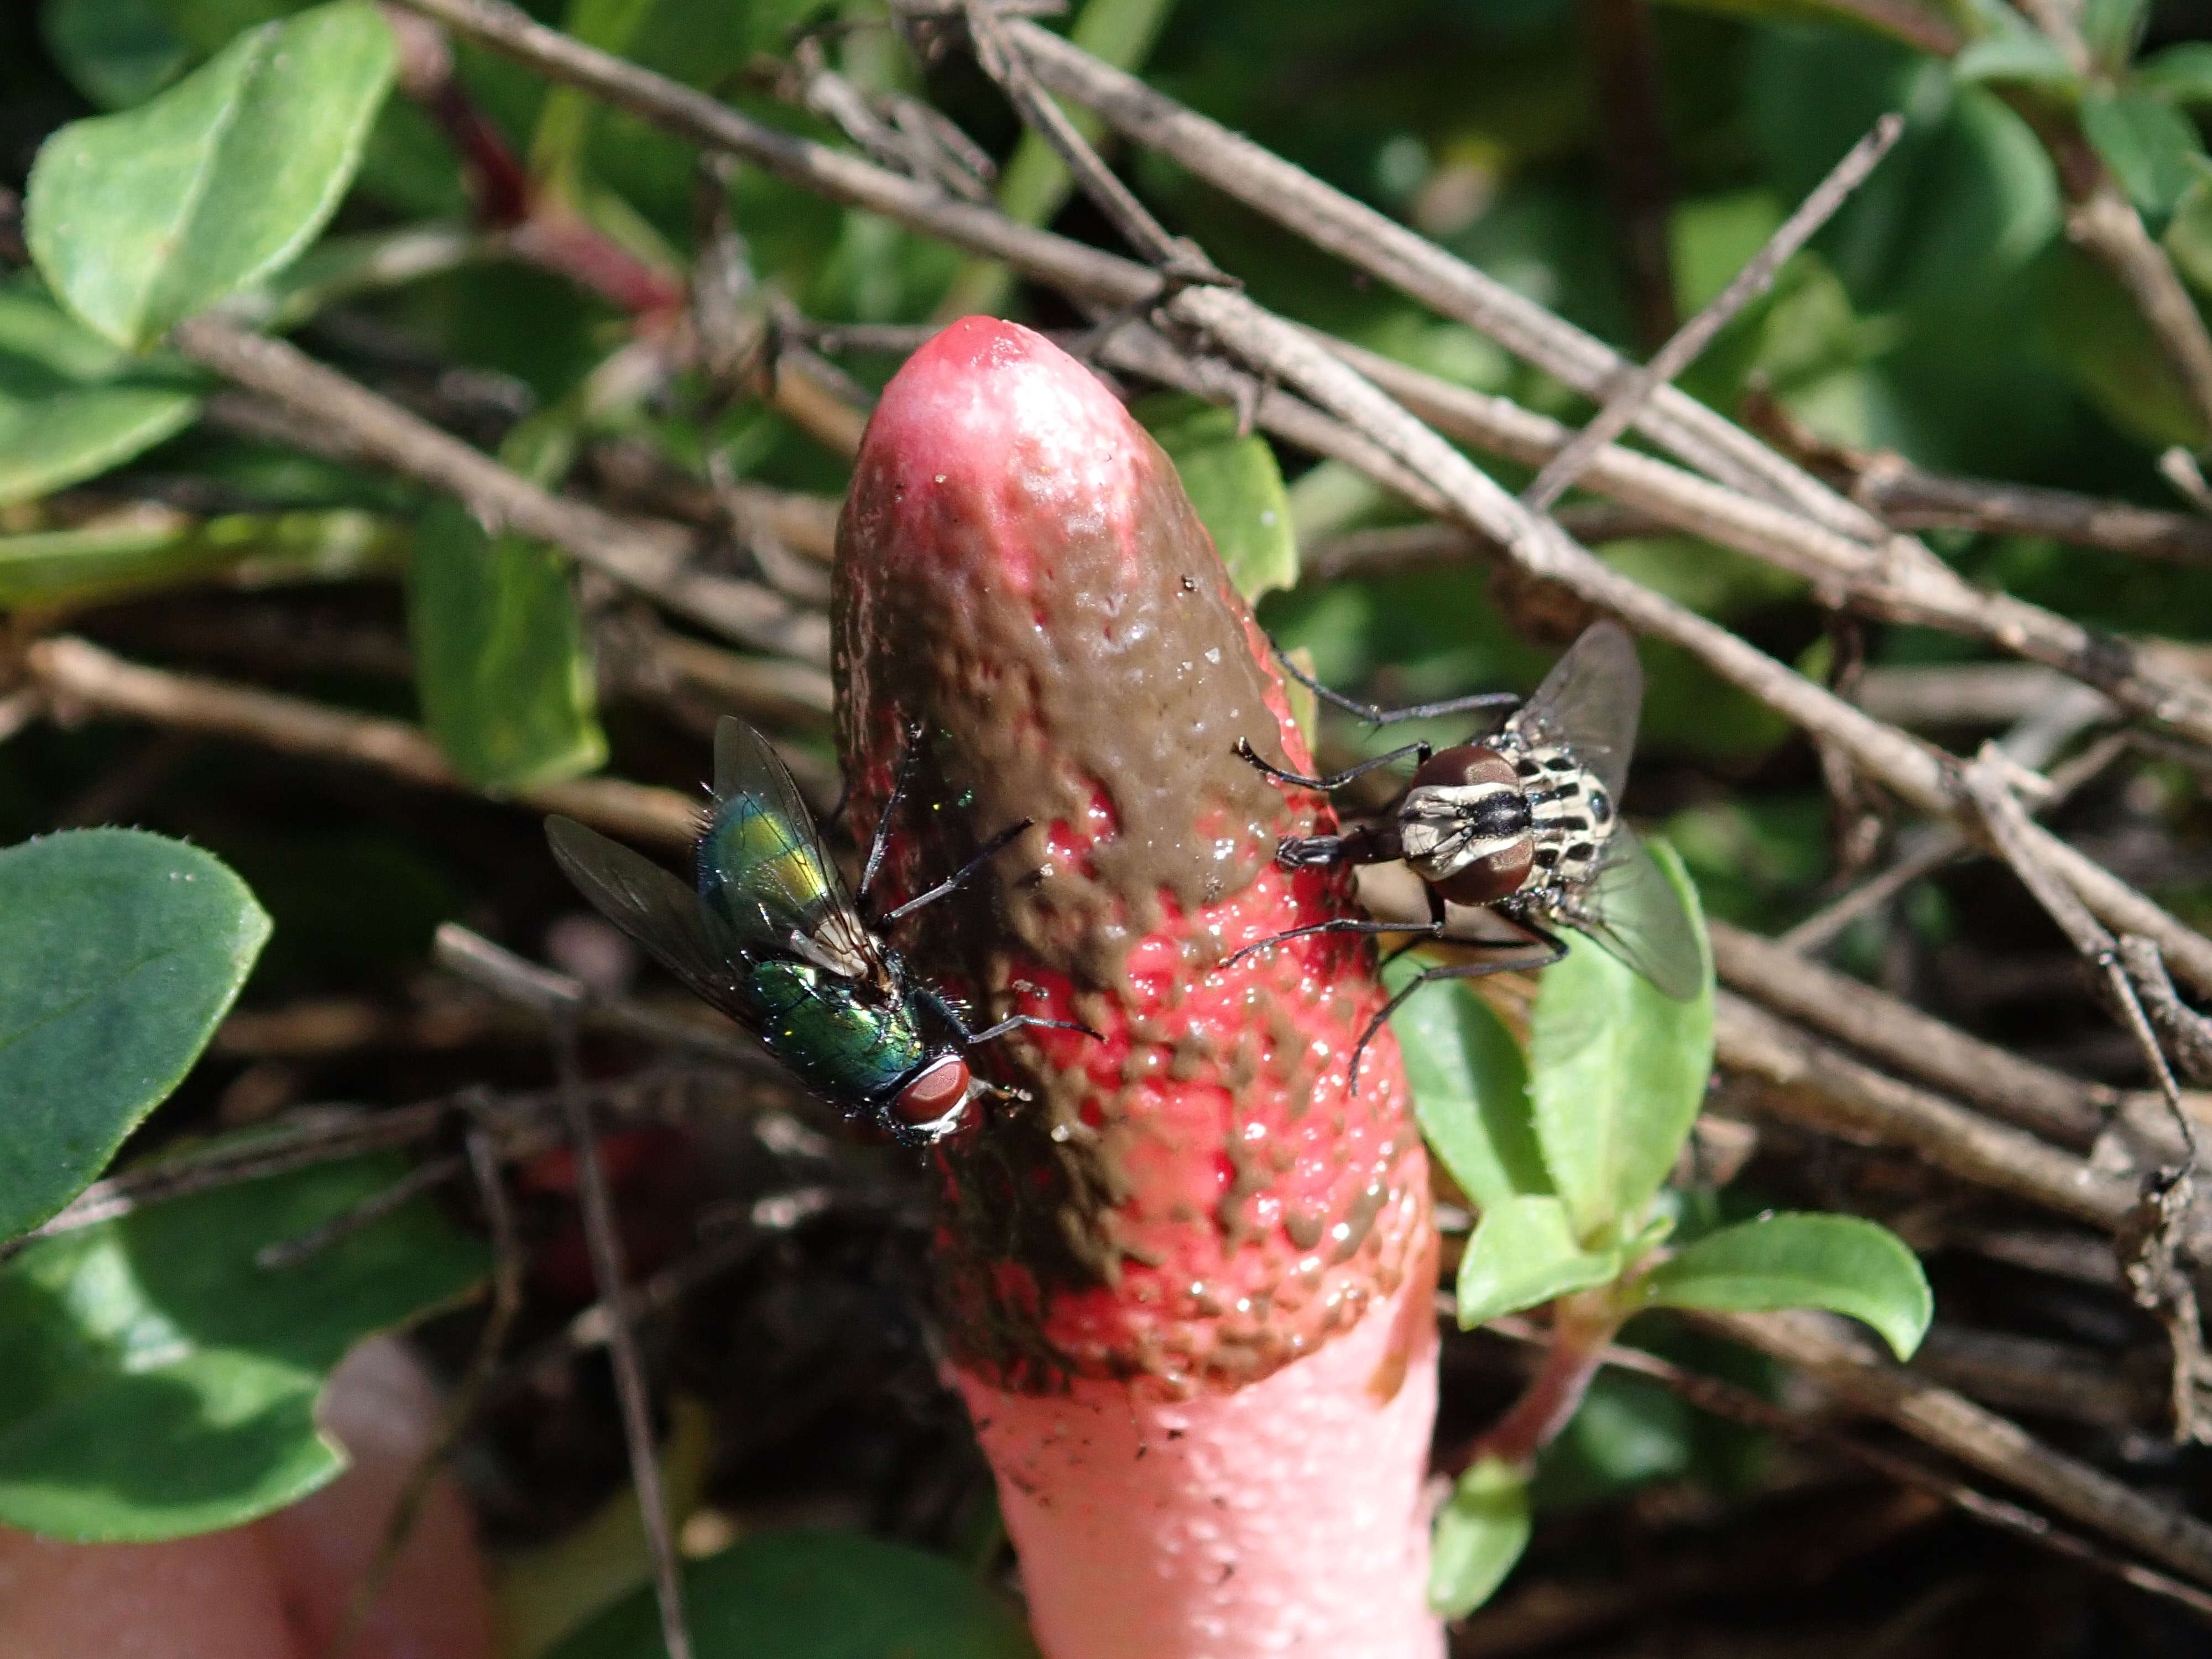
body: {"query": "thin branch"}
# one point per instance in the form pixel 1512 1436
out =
pixel 290 1252
pixel 1272 349
pixel 498 498
pixel 1820 1086
pixel 603 1237
pixel 2065 1109
pixel 1907 497
pixel 1740 1405
pixel 1380 246
pixel 2105 223
pixel 80 678
pixel 505 1303
pixel 1846 1364
pixel 1627 401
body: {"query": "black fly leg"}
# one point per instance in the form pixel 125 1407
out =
pixel 992 849
pixel 1341 925
pixel 1421 752
pixel 1012 1021
pixel 1556 951
pixel 1376 714
pixel 900 780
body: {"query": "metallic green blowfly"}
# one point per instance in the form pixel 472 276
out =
pixel 771 940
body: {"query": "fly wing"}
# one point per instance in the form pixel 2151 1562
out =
pixel 1632 909
pixel 654 908
pixel 1589 704
pixel 762 866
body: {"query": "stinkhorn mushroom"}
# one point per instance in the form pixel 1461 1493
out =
pixel 1185 1270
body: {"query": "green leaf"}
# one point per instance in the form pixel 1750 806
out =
pixel 2150 146
pixel 119 952
pixel 499 662
pixel 2182 73
pixel 2111 30
pixel 2089 324
pixel 1839 1262
pixel 2024 57
pixel 1479 1535
pixel 2188 236
pixel 1470 1088
pixel 138 220
pixel 1237 488
pixel 155 547
pixel 1523 1253
pixel 116 52
pixel 71 405
pixel 161 1384
pixel 1617 1071
pixel 809 1595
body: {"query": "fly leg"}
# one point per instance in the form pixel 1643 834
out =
pixel 900 780
pixel 1421 752
pixel 1555 950
pixel 1431 929
pixel 992 849
pixel 1376 714
pixel 1012 1021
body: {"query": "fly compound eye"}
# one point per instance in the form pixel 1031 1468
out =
pixel 930 1103
pixel 1600 804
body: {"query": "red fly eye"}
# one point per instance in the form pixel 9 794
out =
pixel 933 1095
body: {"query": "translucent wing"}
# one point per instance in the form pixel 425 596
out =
pixel 654 908
pixel 1632 909
pixel 762 867
pixel 1589 702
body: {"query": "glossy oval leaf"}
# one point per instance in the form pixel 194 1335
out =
pixel 1470 1087
pixel 501 666
pixel 71 404
pixel 119 952
pixel 1523 1253
pixel 2149 145
pixel 809 1594
pixel 1842 1263
pixel 1479 1535
pixel 140 219
pixel 1616 1071
pixel 1236 487
pixel 172 1382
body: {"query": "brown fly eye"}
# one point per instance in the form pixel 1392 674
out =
pixel 1458 767
pixel 934 1094
pixel 1488 879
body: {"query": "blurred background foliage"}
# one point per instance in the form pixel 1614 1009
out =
pixel 1942 315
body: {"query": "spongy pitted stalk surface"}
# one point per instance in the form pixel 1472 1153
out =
pixel 1184 1272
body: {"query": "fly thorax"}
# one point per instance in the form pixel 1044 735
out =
pixel 1443 829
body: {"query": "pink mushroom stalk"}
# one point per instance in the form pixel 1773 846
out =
pixel 1185 1269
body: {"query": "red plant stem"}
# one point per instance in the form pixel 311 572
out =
pixel 546 230
pixel 1583 1325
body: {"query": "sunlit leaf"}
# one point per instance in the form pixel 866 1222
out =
pixel 1479 1535
pixel 2150 146
pixel 1470 1088
pixel 71 404
pixel 155 547
pixel 1523 1253
pixel 1839 1263
pixel 822 1595
pixel 1616 1071
pixel 171 1383
pixel 2182 73
pixel 2023 57
pixel 140 219
pixel 119 951
pixel 1237 488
